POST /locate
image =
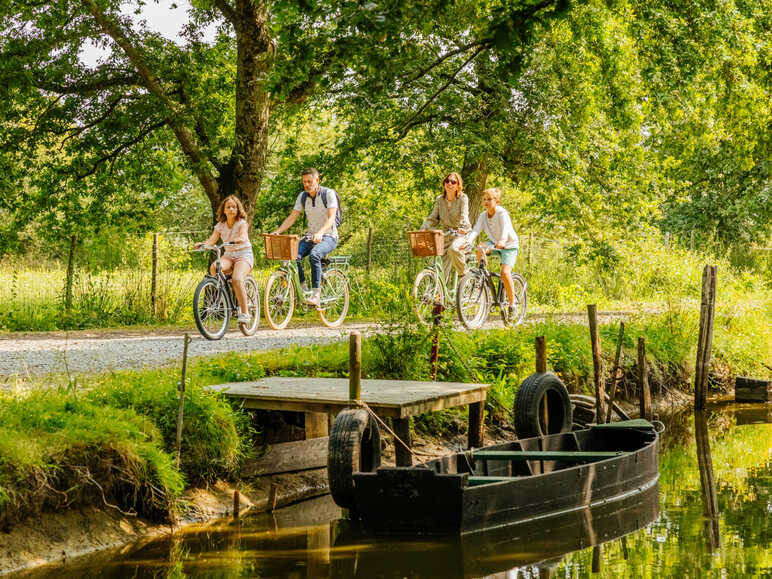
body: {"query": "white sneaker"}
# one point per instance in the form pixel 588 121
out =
pixel 313 300
pixel 244 318
pixel 304 287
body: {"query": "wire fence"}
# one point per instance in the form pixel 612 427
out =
pixel 150 278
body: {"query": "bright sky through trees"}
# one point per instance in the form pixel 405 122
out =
pixel 166 17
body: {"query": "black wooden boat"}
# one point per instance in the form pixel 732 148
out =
pixel 541 543
pixel 509 483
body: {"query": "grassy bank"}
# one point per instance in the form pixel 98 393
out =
pixel 112 445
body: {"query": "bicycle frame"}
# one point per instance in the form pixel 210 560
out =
pixel 223 282
pixel 291 268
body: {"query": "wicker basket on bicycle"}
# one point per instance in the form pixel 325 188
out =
pixel 426 242
pixel 283 247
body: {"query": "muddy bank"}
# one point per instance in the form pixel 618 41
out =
pixel 56 538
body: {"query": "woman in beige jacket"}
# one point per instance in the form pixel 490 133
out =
pixel 451 211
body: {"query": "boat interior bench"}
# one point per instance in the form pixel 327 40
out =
pixel 565 456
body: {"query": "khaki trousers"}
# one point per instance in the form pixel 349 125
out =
pixel 453 257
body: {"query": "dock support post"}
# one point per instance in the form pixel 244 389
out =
pixel 541 354
pixel 402 430
pixel 704 342
pixel 355 366
pixel 597 364
pixel 476 433
pixel 643 381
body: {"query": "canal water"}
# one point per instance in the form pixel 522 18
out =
pixel 709 516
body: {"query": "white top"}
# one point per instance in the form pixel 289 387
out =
pixel 498 228
pixel 316 212
pixel 227 234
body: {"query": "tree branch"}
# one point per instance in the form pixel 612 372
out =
pixel 122 147
pixel 229 12
pixel 88 86
pixel 190 147
pixel 409 123
pixel 486 42
pixel 77 131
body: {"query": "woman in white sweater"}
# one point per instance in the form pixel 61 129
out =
pixel 502 239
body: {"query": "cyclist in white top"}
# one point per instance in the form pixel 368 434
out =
pixel 502 239
pixel 238 259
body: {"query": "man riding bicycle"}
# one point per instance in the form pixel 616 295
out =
pixel 320 204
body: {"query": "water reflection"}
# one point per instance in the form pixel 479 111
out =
pixel 714 469
pixel 707 480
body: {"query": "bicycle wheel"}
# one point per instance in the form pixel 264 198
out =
pixel 210 309
pixel 427 291
pixel 472 300
pixel 521 299
pixel 253 307
pixel 333 298
pixel 279 300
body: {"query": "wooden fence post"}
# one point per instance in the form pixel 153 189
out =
pixel 154 276
pixel 705 340
pixel 355 366
pixel 597 364
pixel 369 249
pixel 181 388
pixel 643 381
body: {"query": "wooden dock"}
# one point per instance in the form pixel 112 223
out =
pixel 320 398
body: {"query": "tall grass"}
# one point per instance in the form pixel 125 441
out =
pixel 636 275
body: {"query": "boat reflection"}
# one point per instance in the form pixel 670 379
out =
pixel 540 543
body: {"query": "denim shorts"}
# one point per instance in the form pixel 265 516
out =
pixel 508 256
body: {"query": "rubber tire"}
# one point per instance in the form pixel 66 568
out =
pixel 209 281
pixel 424 312
pixel 327 283
pixel 354 446
pixel 250 329
pixel 528 402
pixel 483 300
pixel 279 276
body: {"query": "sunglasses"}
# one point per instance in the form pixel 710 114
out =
pixel 451 181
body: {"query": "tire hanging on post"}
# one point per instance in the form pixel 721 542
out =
pixel 534 392
pixel 354 446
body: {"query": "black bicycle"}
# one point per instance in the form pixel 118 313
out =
pixel 481 290
pixel 214 302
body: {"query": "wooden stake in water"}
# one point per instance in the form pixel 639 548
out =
pixel 617 375
pixel 705 340
pixel 643 381
pixel 597 364
pixel 181 388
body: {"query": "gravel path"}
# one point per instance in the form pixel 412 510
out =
pixel 83 352
pixel 101 350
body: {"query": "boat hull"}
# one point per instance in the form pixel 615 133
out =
pixel 438 497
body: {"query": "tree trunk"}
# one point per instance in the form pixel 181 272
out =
pixel 254 60
pixel 475 174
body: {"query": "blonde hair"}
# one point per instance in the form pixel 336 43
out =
pixel 494 192
pixel 458 178
pixel 241 213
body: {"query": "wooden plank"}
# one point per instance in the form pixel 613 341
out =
pixel 316 425
pixel 475 481
pixel 389 398
pixel 752 390
pixel 289 457
pixel 563 455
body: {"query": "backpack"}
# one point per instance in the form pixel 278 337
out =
pixel 323 194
